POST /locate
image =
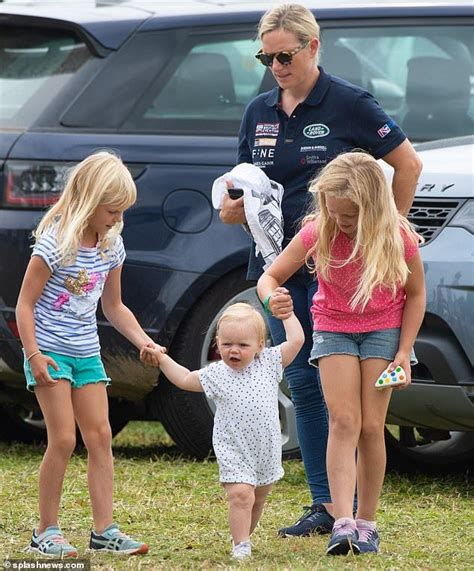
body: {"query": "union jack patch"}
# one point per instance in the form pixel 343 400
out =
pixel 384 131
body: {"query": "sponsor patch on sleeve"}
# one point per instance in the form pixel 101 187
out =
pixel 385 129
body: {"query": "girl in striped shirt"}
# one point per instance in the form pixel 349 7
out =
pixel 77 259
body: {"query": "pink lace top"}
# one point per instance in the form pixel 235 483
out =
pixel 331 309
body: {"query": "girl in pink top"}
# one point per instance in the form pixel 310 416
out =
pixel 366 313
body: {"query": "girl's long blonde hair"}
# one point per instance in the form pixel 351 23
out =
pixel 378 245
pixel 100 179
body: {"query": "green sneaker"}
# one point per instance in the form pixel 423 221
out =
pixel 51 543
pixel 113 540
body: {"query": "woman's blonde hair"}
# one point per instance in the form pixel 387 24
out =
pixel 100 179
pixel 244 311
pixel 378 245
pixel 292 18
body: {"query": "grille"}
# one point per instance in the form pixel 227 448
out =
pixel 430 216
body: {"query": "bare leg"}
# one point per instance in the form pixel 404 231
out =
pixel 340 378
pixel 241 499
pixel 91 410
pixel 371 457
pixel 56 406
pixel 261 494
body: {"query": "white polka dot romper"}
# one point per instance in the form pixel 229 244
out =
pixel 247 434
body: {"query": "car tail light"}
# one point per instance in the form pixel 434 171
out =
pixel 33 184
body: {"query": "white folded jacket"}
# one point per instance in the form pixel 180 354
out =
pixel 262 205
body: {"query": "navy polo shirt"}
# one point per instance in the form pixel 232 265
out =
pixel 335 117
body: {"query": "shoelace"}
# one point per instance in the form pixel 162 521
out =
pixel 346 528
pixel 118 533
pixel 310 510
pixel 57 539
pixel 365 534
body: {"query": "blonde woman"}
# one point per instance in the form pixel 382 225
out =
pixel 366 313
pixel 77 259
pixel 291 132
pixel 244 388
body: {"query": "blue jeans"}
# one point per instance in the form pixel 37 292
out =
pixel 305 387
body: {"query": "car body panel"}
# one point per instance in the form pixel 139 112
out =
pixel 450 280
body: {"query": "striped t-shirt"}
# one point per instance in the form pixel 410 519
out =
pixel 65 313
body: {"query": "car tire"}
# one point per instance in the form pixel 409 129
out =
pixel 20 424
pixel 188 417
pixel 410 449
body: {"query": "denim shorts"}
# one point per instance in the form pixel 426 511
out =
pixel 380 344
pixel 79 371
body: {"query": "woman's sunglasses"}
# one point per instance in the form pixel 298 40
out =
pixel 285 58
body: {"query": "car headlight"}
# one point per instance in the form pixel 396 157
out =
pixel 464 218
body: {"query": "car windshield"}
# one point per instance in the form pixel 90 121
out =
pixel 35 64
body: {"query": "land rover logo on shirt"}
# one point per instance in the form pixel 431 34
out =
pixel 316 130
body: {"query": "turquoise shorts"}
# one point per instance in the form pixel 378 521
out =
pixel 79 371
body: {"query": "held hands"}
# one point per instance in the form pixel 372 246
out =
pixel 39 369
pixel 402 359
pixel 151 353
pixel 232 211
pixel 281 304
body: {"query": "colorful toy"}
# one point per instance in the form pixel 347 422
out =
pixel 391 378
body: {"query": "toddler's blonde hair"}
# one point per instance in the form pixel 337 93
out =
pixel 238 312
pixel 100 179
pixel 378 244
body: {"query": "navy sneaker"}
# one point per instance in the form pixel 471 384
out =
pixel 316 519
pixel 369 540
pixel 114 541
pixel 344 538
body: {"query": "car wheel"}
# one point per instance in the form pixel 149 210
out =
pixel 23 424
pixel 188 417
pixel 410 448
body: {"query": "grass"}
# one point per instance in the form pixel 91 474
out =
pixel 179 508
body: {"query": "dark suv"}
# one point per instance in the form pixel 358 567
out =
pixel 165 87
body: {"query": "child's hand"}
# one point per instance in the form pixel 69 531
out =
pixel 281 304
pixel 39 369
pixel 150 354
pixel 403 360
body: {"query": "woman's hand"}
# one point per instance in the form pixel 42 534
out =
pixel 281 304
pixel 232 210
pixel 39 369
pixel 402 359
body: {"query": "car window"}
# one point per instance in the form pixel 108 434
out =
pixel 422 76
pixel 204 89
pixel 35 64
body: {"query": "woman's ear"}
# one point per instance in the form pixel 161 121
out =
pixel 314 46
